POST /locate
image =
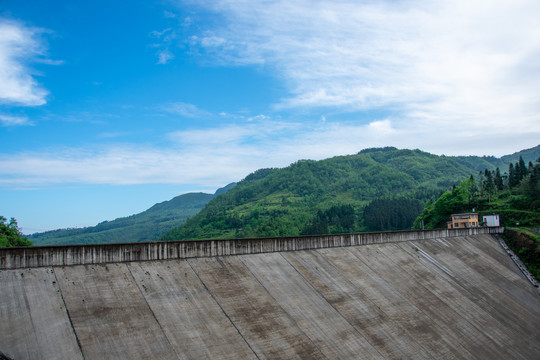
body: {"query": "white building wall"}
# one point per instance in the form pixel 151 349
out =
pixel 492 220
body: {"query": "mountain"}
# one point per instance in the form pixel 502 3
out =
pixel 334 195
pixel 146 226
pixel 529 155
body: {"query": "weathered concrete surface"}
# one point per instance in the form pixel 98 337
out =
pixel 448 298
pixel 33 319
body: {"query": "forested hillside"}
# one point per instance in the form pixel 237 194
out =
pixel 513 193
pixel 376 189
pixel 146 226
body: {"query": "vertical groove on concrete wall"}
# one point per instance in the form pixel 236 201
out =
pixel 152 311
pixel 223 311
pixel 281 307
pixel 335 309
pixel 68 316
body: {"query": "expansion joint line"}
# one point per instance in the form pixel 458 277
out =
pixel 150 308
pixel 331 305
pixel 222 310
pixel 67 312
pixel 281 307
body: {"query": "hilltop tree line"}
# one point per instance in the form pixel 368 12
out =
pixel 10 234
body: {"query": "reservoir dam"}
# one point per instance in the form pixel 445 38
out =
pixel 434 294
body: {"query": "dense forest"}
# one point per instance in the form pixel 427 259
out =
pixel 376 189
pixel 10 234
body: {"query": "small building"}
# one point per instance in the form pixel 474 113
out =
pixel 463 221
pixel 491 220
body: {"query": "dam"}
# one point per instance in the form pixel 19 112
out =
pixel 439 294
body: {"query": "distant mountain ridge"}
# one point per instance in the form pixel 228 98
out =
pixel 294 200
pixel 148 225
pixel 334 194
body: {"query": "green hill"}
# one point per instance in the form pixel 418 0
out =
pixel 146 226
pixel 335 195
pixel 515 196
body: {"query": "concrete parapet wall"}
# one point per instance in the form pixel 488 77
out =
pixel 40 256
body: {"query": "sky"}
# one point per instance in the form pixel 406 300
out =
pixel 108 107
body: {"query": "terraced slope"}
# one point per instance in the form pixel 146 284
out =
pixel 453 298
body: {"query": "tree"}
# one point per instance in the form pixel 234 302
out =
pixel 471 187
pixel 522 172
pixel 489 184
pixel 435 215
pixel 513 175
pixel 391 214
pixel 337 219
pixel 499 185
pixel 10 234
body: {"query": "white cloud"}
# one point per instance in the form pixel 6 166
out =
pixel 164 39
pixel 164 56
pixel 169 15
pixel 7 120
pixel 216 156
pixel 186 110
pixel 159 34
pixel 382 127
pixel 258 117
pixel 468 64
pixel 18 46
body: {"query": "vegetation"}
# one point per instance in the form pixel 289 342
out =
pixel 526 245
pixel 10 235
pixel 514 195
pixel 338 219
pixel 391 214
pixel 342 194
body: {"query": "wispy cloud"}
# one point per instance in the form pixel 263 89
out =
pixel 169 15
pixel 164 56
pixel 20 45
pixel 163 41
pixel 113 135
pixel 434 63
pixel 186 110
pixel 215 156
pixel 6 120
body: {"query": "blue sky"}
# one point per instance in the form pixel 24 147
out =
pixel 107 107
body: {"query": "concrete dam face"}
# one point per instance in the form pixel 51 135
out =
pixel 456 297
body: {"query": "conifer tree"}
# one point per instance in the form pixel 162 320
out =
pixel 513 177
pixel 522 172
pixel 498 180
